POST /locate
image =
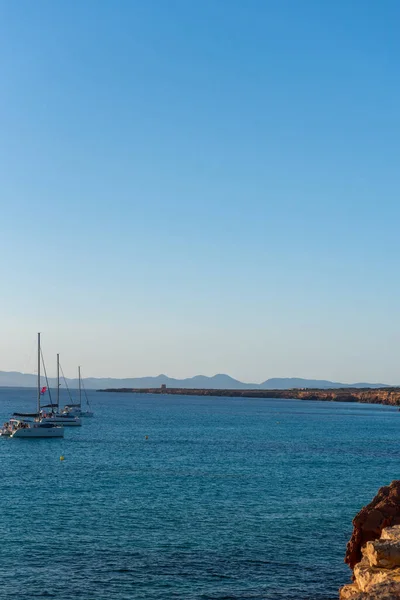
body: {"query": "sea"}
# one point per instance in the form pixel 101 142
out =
pixel 190 498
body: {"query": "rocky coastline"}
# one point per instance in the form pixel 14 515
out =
pixel 389 396
pixel 373 552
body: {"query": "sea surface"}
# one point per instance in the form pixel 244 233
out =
pixel 227 499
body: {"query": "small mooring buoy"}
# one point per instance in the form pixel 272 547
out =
pixel 62 458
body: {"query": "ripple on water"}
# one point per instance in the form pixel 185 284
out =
pixel 227 498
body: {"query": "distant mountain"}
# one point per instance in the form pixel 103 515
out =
pixel 16 379
pixel 217 382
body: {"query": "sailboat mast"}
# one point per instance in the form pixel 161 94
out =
pixel 38 379
pixel 58 381
pixel 80 388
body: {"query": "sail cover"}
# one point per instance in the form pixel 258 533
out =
pixel 25 414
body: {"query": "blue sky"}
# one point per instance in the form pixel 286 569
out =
pixel 201 187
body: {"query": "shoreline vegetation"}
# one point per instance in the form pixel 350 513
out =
pixel 388 396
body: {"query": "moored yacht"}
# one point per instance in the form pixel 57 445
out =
pixel 21 427
pixel 76 409
pixel 60 419
pixel 31 429
pixel 56 417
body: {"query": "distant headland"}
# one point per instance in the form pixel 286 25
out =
pixel 385 395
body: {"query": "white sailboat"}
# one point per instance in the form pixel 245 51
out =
pixel 57 417
pixel 76 409
pixel 22 427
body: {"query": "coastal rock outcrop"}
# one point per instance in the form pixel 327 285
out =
pixel 373 551
pixel 389 396
pixel 382 512
pixel 384 591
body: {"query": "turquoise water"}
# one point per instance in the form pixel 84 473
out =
pixel 227 499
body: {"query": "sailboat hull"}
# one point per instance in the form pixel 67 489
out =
pixel 77 412
pixel 60 420
pixel 39 432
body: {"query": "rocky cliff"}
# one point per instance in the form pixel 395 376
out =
pixel 368 395
pixel 373 552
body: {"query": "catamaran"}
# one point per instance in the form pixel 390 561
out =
pixel 76 409
pixel 23 427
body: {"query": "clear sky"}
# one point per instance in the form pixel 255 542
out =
pixel 201 186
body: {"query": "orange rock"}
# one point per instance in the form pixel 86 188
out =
pixel 382 512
